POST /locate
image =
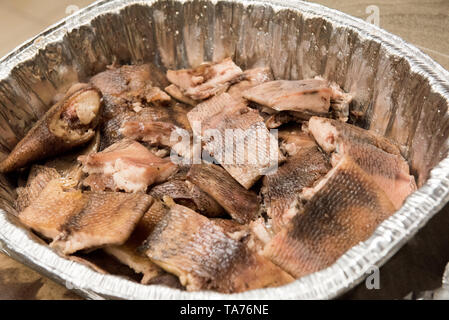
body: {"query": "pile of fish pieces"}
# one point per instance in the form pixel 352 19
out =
pixel 100 177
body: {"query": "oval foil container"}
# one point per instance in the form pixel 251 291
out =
pixel 399 92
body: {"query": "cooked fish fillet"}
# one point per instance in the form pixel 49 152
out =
pixel 254 150
pixel 68 166
pixel 131 84
pixel 293 139
pixel 104 219
pixel 64 167
pixel 250 79
pixel 206 80
pixel 38 179
pixel 128 255
pixel 211 112
pixel 126 165
pixel 241 204
pixel 311 95
pixel 155 133
pixel 205 258
pixel 345 210
pixel 68 124
pixel 154 125
pixel 177 94
pixel 282 189
pixel 276 120
pixel 389 170
pixel 88 263
pixel 50 210
pixel 189 195
pixel 149 221
pixel 116 128
pixel 125 90
pixel 331 133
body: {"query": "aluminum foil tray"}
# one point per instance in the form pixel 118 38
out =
pixel 399 92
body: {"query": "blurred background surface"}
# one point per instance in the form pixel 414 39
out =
pixel 424 23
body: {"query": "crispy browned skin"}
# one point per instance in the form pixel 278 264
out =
pixel 105 219
pixel 189 195
pixel 205 258
pixel 375 155
pixel 311 95
pixel 206 80
pixel 344 211
pixel 283 188
pixel 390 172
pixel 126 165
pixel 59 130
pixel 241 204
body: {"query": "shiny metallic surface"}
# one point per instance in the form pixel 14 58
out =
pixel 399 92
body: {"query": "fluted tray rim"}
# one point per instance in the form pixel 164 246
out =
pixel 329 283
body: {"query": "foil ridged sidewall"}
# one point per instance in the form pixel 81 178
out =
pixel 398 91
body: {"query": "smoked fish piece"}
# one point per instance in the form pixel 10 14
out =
pixel 378 157
pixel 68 124
pixel 105 219
pixel 241 204
pixel 126 165
pixel 188 194
pixel 206 80
pixel 312 95
pixel 346 209
pixel 282 189
pixel 205 258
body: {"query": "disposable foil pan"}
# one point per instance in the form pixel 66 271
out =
pixel 399 92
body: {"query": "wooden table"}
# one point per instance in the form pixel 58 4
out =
pixel 419 264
